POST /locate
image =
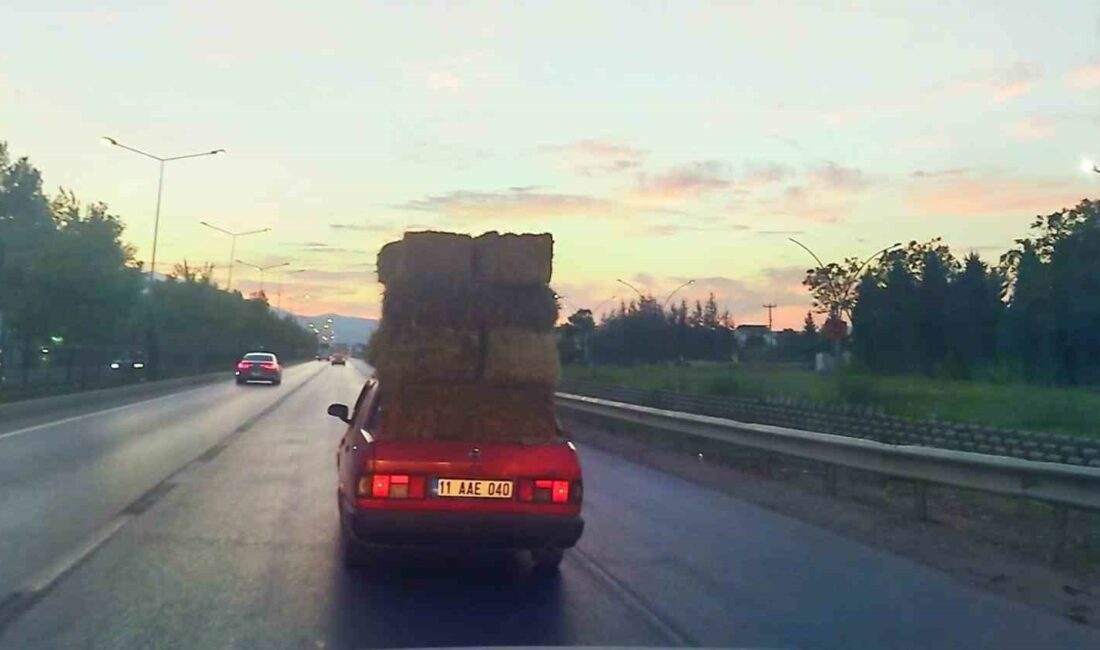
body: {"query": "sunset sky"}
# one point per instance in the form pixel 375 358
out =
pixel 657 141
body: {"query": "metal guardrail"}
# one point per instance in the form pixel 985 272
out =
pixel 1055 483
pixel 859 422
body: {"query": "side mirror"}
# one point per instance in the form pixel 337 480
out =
pixel 339 411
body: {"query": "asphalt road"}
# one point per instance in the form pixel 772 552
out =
pixel 207 519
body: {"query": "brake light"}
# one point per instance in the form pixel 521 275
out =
pixel 391 486
pixel 244 365
pixel 269 366
pixel 546 490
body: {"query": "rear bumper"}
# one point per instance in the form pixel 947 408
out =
pixel 520 531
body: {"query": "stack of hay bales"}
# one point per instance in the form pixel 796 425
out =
pixel 466 346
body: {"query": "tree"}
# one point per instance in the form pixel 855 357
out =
pixel 932 296
pixel 975 310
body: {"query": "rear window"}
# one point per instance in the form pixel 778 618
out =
pixel 259 357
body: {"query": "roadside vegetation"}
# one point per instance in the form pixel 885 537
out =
pixel 77 307
pixel 1011 405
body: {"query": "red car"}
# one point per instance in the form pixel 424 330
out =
pixel 453 494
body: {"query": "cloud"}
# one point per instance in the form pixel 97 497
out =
pixel 781 232
pixel 1085 77
pixel 1030 128
pixel 965 196
pixel 511 204
pixel 597 157
pixel 334 276
pixel 834 176
pixel 671 229
pixel 688 181
pixel 765 173
pixel 347 226
pixel 941 173
pixel 314 244
pixel 785 275
pixel 1005 83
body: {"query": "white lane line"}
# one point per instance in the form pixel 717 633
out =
pixel 49 575
pixel 84 416
pixel 75 418
pixel 633 600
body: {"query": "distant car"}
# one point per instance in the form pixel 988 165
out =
pixel 259 366
pixel 338 360
pixel 453 493
pixel 127 367
pixel 319 358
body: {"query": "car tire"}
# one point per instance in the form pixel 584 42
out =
pixel 547 560
pixel 277 382
pixel 355 555
pixel 240 382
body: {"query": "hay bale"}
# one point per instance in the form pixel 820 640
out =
pixel 426 303
pixel 388 262
pixel 424 354
pixel 431 255
pixel 518 356
pixel 533 308
pixel 473 411
pixel 513 260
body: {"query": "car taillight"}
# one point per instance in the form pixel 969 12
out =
pixel 269 366
pixel 244 365
pixel 547 490
pixel 391 486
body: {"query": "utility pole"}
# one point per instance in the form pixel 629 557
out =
pixel 770 307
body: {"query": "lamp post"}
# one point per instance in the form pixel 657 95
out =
pixel 151 329
pixel 632 287
pixel 279 302
pixel 263 269
pixel 233 246
pixel 841 295
pixel 673 292
pixel 160 187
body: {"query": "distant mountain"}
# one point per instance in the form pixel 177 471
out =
pixel 349 329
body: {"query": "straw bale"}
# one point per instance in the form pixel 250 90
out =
pixel 473 411
pixel 431 255
pixel 434 302
pixel 517 356
pixel 388 262
pixel 424 354
pixel 513 260
pixel 533 308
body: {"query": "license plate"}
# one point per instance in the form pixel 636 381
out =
pixel 463 487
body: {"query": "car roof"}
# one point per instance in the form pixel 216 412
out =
pixel 260 354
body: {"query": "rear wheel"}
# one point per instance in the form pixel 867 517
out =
pixel 355 555
pixel 547 560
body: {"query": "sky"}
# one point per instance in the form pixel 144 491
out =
pixel 658 142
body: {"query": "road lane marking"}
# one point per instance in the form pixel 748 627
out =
pixel 115 409
pixel 666 627
pixel 40 583
pixel 84 416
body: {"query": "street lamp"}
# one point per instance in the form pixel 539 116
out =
pixel 279 299
pixel 841 294
pixel 233 246
pixel 596 309
pixel 160 187
pixel 263 269
pixel 632 287
pixel 669 297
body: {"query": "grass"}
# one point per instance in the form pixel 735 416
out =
pixel 1010 405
